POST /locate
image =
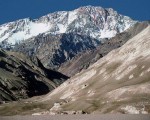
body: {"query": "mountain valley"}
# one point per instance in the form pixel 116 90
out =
pixel 90 60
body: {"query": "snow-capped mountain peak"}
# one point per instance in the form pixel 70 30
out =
pixel 95 22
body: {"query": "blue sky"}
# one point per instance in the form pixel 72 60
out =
pixel 11 10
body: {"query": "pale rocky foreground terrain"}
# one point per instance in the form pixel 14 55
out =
pixel 80 117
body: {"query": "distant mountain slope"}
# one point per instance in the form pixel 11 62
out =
pixel 21 78
pixel 85 59
pixel 58 37
pixel 95 22
pixel 53 50
pixel 117 83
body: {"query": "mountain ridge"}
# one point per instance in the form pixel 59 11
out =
pixel 86 20
pixel 85 29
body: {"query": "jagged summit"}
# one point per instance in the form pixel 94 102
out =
pixel 95 22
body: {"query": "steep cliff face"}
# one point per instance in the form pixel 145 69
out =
pixel 21 78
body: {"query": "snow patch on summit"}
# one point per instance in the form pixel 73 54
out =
pixel 28 31
pixel 62 28
pixel 72 16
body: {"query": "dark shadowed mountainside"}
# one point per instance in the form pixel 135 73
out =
pixel 21 78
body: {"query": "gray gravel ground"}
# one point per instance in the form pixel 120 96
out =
pixel 79 117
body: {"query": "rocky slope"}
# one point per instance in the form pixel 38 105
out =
pixel 21 78
pixel 84 59
pixel 53 50
pixel 117 83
